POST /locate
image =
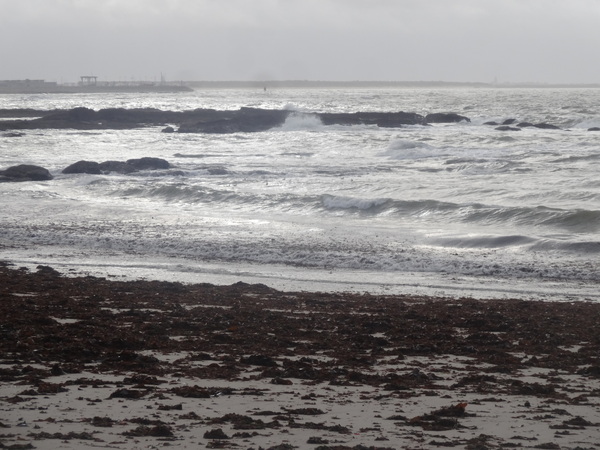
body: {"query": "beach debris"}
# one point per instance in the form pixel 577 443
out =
pixel 148 343
pixel 128 393
pixel 160 430
pixel 441 419
pixel 216 433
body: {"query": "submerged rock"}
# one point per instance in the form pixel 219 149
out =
pixel 546 126
pixel 445 118
pixel 381 119
pixel 507 128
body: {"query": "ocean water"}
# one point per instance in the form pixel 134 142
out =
pixel 450 209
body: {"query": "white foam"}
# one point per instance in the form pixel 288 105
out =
pixel 302 122
pixel 407 149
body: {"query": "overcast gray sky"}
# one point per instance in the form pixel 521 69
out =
pixel 554 41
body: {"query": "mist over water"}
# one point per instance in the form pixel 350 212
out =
pixel 446 209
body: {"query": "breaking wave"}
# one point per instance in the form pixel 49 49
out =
pixel 302 122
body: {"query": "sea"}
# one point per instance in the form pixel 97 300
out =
pixel 454 210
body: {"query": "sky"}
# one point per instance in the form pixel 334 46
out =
pixel 545 41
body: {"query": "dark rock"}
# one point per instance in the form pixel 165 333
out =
pixel 509 122
pixel 148 163
pixel 79 114
pixel 89 167
pixel 116 166
pixel 381 119
pixel 525 124
pixel 168 130
pixel 281 381
pixel 506 128
pixel 215 434
pixel 192 392
pixel 245 120
pixel 160 430
pixel 128 393
pixel 25 172
pixel 70 118
pixel 22 112
pixel 305 411
pixel 200 120
pixel 47 271
pixel 217 171
pixel 594 129
pixel 103 422
pixel 13 134
pixel 177 407
pixel 57 370
pixel 259 360
pixel 593 370
pixel 492 123
pixel 445 118
pixel 546 126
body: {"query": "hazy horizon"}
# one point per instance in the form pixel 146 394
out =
pixel 467 41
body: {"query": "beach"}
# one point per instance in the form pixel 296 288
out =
pixel 92 362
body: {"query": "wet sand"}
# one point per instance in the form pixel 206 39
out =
pixel 88 362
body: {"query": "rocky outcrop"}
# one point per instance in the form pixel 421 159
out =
pixel 245 120
pixel 507 128
pixel 148 163
pixel 203 120
pixel 124 167
pixel 381 119
pixel 25 172
pixel 89 167
pixel 116 166
pixel 546 126
pixel 445 118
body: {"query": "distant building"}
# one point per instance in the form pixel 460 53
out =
pixel 88 80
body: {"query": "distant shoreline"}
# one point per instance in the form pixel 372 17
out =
pixel 372 84
pixel 50 88
pixel 43 87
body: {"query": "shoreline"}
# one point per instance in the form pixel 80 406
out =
pixel 318 280
pixel 91 362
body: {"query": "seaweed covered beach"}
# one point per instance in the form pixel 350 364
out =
pixel 89 362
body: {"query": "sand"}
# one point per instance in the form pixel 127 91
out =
pixel 88 362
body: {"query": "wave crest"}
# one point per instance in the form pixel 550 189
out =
pixel 301 122
pixel 406 149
